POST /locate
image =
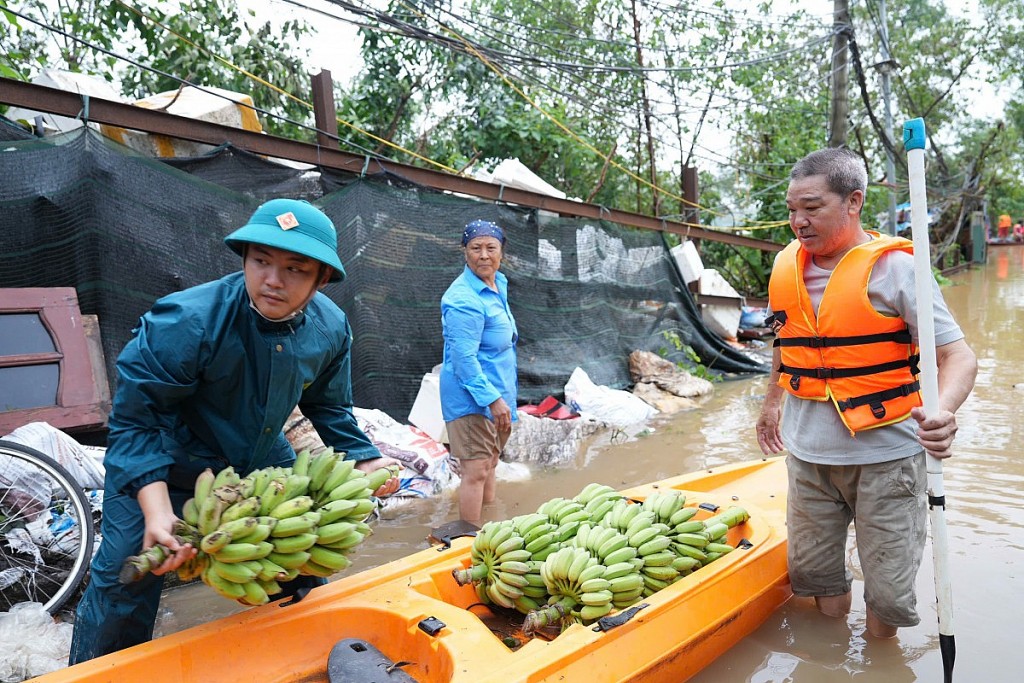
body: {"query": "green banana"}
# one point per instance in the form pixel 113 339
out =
pixel 331 559
pixel 720 548
pixel 238 572
pixel 241 552
pixel 209 513
pixel 289 560
pixel 696 540
pixel 619 569
pixel 349 540
pixel 377 478
pixel 332 533
pixel 521 555
pixel 295 485
pixel 591 571
pixel 214 541
pixel 513 567
pixel 663 573
pixel 684 550
pixel 620 555
pixel 238 527
pixel 305 523
pixel 601 597
pixel 341 472
pixel 271 571
pixel 301 464
pixel 681 515
pixel 590 613
pixel 626 583
pixel 320 468
pixel 190 513
pixel 232 591
pixel 660 559
pixel 255 594
pixel 655 545
pixel 293 544
pixel 593 585
pixel 313 569
pixel 273 495
pixel 292 508
pixel 353 488
pixel 335 510
pixel 203 487
pixel 226 477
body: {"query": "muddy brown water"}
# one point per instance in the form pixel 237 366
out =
pixel 985 517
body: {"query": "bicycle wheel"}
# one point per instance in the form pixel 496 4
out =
pixel 46 529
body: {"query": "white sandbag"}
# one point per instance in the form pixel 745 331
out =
pixel 614 407
pixel 74 457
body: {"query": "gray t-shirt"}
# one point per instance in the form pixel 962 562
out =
pixel 812 430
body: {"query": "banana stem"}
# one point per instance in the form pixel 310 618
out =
pixel 475 574
pixel 137 566
pixel 547 616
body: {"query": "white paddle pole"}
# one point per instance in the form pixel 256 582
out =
pixel 914 143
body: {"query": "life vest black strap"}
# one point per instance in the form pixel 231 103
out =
pixel 837 373
pixel 900 337
pixel 877 399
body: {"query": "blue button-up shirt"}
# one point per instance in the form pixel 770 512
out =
pixel 479 347
pixel 207 381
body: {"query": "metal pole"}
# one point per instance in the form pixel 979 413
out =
pixel 885 68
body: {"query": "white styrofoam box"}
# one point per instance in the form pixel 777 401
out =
pixel 426 409
pixel 723 320
pixel 209 104
pixel 690 264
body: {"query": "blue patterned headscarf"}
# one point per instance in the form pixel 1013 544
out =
pixel 482 228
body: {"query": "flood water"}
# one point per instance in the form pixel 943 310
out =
pixel 985 518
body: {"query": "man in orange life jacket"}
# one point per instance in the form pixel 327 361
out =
pixel 844 311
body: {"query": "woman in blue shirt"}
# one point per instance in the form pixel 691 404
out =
pixel 208 380
pixel 478 377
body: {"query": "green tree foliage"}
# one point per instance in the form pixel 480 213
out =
pixel 206 42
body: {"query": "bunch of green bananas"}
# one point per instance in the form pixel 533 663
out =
pixel 257 531
pixel 499 568
pixel 577 559
pixel 703 541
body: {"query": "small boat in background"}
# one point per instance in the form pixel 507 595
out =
pixel 409 620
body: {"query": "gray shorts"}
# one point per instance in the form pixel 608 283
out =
pixel 888 506
pixel 474 437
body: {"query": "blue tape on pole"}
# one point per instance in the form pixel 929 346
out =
pixel 913 134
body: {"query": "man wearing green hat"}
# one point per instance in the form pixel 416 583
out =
pixel 208 380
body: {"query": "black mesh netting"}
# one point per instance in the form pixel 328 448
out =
pixel 124 230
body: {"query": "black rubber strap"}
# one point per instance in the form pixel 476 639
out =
pixel 837 373
pixel 936 501
pixel 900 337
pixel 611 621
pixel 879 397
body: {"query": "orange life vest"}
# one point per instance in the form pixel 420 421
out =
pixel 861 360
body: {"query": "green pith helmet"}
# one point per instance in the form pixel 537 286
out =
pixel 293 225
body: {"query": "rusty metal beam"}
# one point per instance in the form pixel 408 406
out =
pixel 325 114
pixel 55 101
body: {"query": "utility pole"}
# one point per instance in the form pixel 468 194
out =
pixel 840 73
pixel 885 68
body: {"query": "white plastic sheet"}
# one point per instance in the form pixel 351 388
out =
pixel 31 643
pixel 614 407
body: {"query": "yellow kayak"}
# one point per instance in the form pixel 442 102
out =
pixel 409 620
